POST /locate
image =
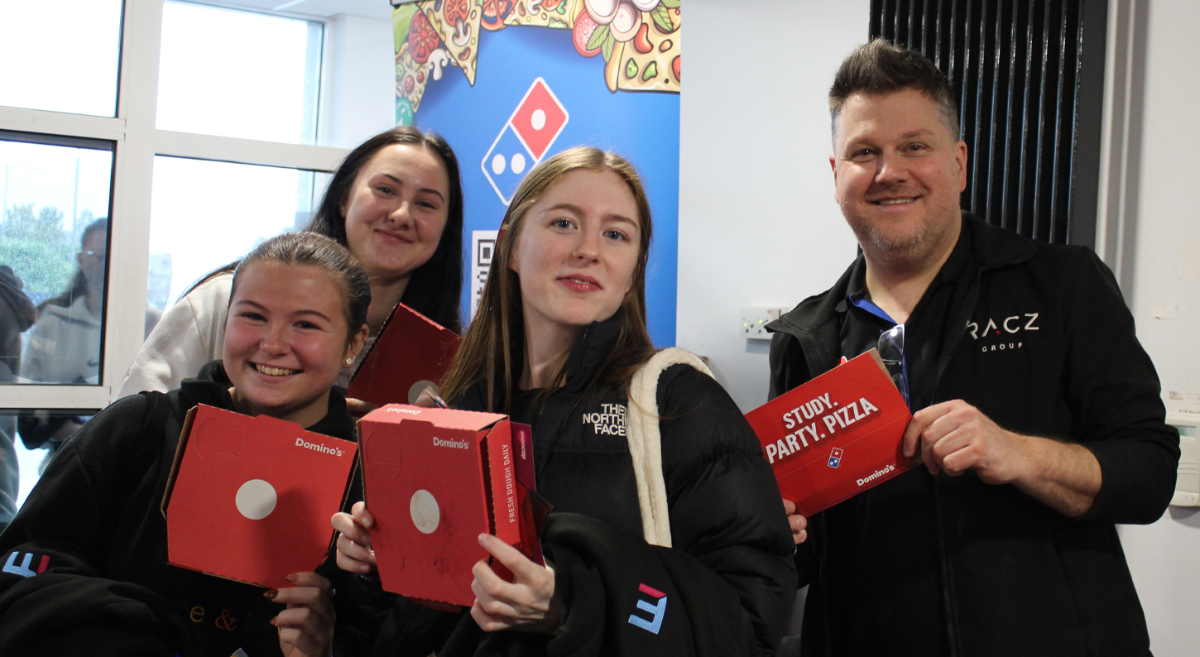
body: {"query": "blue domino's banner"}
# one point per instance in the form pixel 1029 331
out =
pixel 511 83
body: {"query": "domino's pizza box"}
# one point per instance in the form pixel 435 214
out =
pixel 249 498
pixel 434 479
pixel 835 436
pixel 411 352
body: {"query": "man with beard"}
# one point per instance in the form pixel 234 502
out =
pixel 1037 420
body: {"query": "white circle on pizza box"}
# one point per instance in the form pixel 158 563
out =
pixel 518 163
pixel 256 499
pixel 538 120
pixel 497 164
pixel 425 512
pixel 417 388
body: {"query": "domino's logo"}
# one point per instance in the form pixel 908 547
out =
pixel 835 457
pixel 656 610
pixel 538 120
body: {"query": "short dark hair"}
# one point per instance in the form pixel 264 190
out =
pixel 435 288
pixel 882 68
pixel 313 250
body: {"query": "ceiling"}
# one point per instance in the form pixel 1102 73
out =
pixel 378 9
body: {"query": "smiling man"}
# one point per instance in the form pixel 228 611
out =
pixel 1037 421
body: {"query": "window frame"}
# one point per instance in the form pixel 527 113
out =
pixel 137 142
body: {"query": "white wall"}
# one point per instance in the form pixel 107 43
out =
pixel 359 96
pixel 1165 556
pixel 758 225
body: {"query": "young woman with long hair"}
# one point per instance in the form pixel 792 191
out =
pixel 560 334
pixel 396 202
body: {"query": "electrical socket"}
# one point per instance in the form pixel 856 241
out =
pixel 754 322
pixel 1187 482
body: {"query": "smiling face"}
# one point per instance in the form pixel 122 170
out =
pixel 396 210
pixel 577 252
pixel 898 173
pixel 286 340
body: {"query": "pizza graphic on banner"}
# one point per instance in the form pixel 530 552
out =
pixel 525 138
pixel 639 40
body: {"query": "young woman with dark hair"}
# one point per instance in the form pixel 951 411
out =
pixel 558 343
pixel 396 202
pixel 92 537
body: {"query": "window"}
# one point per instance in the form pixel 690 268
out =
pixel 238 74
pixel 163 117
pixel 208 214
pixel 54 243
pixel 73 44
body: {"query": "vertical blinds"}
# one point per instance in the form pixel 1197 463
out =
pixel 1028 76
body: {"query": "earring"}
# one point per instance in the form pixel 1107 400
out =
pixel 349 362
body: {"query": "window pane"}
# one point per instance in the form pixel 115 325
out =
pixel 61 56
pixel 238 74
pixel 206 214
pixel 53 256
pixel 28 439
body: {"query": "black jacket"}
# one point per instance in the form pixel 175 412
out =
pixel 1048 349
pixel 97 581
pixel 726 518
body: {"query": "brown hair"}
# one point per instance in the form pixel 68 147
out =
pixel 882 68
pixel 435 288
pixel 313 250
pixel 493 349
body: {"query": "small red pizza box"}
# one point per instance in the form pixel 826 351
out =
pixel 250 498
pixel 435 479
pixel 411 352
pixel 835 436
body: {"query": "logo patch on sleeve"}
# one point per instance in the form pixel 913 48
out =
pixel 656 611
pixel 24 570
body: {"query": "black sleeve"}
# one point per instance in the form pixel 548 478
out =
pixel 788 368
pixel 1113 391
pixel 53 599
pixel 725 507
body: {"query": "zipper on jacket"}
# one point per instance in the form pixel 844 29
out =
pixel 820 578
pixel 948 604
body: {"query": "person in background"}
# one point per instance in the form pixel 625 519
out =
pixel 17 314
pixel 87 554
pixel 64 345
pixel 560 333
pixel 1037 421
pixel 396 202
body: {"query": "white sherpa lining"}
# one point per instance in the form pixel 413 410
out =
pixel 645 441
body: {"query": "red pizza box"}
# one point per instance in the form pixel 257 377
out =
pixel 249 498
pixel 835 436
pixel 434 480
pixel 411 352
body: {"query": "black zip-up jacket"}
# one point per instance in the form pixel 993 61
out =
pixel 725 512
pixel 1048 349
pixel 88 549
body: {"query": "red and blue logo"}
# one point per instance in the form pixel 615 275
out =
pixel 656 610
pixel 538 120
pixel 835 457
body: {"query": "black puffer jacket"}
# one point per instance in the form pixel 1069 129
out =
pixel 725 510
pixel 1048 349
pixel 95 542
